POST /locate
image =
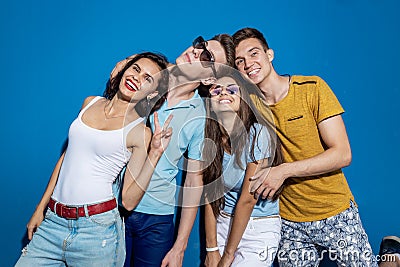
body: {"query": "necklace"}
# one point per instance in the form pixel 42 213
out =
pixel 106 117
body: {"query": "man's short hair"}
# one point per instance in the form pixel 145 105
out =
pixel 247 33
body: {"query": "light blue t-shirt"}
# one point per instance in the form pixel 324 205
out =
pixel 233 174
pixel 188 134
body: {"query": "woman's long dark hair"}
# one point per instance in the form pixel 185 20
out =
pixel 146 106
pixel 236 142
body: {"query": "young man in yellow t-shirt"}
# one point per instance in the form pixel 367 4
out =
pixel 318 211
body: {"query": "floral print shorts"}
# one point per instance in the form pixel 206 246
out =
pixel 340 238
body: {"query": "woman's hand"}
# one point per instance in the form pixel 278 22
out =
pixel 226 260
pixel 34 223
pixel 212 259
pixel 161 135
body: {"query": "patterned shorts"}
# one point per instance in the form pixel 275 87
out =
pixel 340 238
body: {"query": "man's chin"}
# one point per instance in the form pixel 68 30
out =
pixel 179 60
pixel 255 80
pixel 190 71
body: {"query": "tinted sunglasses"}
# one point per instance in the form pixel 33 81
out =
pixel 206 58
pixel 230 90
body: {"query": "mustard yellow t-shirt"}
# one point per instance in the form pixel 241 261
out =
pixel 308 102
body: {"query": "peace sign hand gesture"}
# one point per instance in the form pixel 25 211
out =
pixel 161 135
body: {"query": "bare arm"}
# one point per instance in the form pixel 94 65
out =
pixel 191 197
pixel 336 156
pixel 212 257
pixel 131 197
pixel 137 182
pixel 243 210
pixel 37 216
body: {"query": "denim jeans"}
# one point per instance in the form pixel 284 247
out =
pixel 148 238
pixel 96 240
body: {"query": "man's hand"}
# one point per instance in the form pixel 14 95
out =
pixel 174 258
pixel 268 181
pixel 120 65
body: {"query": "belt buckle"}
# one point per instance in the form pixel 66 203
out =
pixel 76 213
pixel 68 210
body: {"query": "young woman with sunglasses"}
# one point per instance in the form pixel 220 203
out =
pixel 82 226
pixel 149 228
pixel 240 230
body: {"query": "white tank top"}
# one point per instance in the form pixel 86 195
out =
pixel 93 160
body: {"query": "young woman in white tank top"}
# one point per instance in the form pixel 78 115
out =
pixel 82 226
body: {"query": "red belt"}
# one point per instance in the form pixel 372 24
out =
pixel 74 212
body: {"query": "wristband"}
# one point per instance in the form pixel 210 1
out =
pixel 211 249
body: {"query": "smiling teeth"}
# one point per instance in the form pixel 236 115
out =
pixel 131 85
pixel 225 101
pixel 253 72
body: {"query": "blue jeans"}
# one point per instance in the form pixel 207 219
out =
pixel 88 241
pixel 148 238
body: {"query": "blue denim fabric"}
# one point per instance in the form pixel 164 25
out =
pixel 148 238
pixel 96 240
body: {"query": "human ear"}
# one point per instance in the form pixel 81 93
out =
pixel 270 54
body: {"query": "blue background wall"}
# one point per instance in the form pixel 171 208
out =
pixel 55 53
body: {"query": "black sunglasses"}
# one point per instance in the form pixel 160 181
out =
pixel 206 58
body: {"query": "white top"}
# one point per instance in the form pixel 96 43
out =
pixel 93 160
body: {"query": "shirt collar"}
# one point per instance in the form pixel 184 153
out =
pixel 193 102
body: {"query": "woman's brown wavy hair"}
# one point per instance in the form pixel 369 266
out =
pixel 247 117
pixel 145 107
